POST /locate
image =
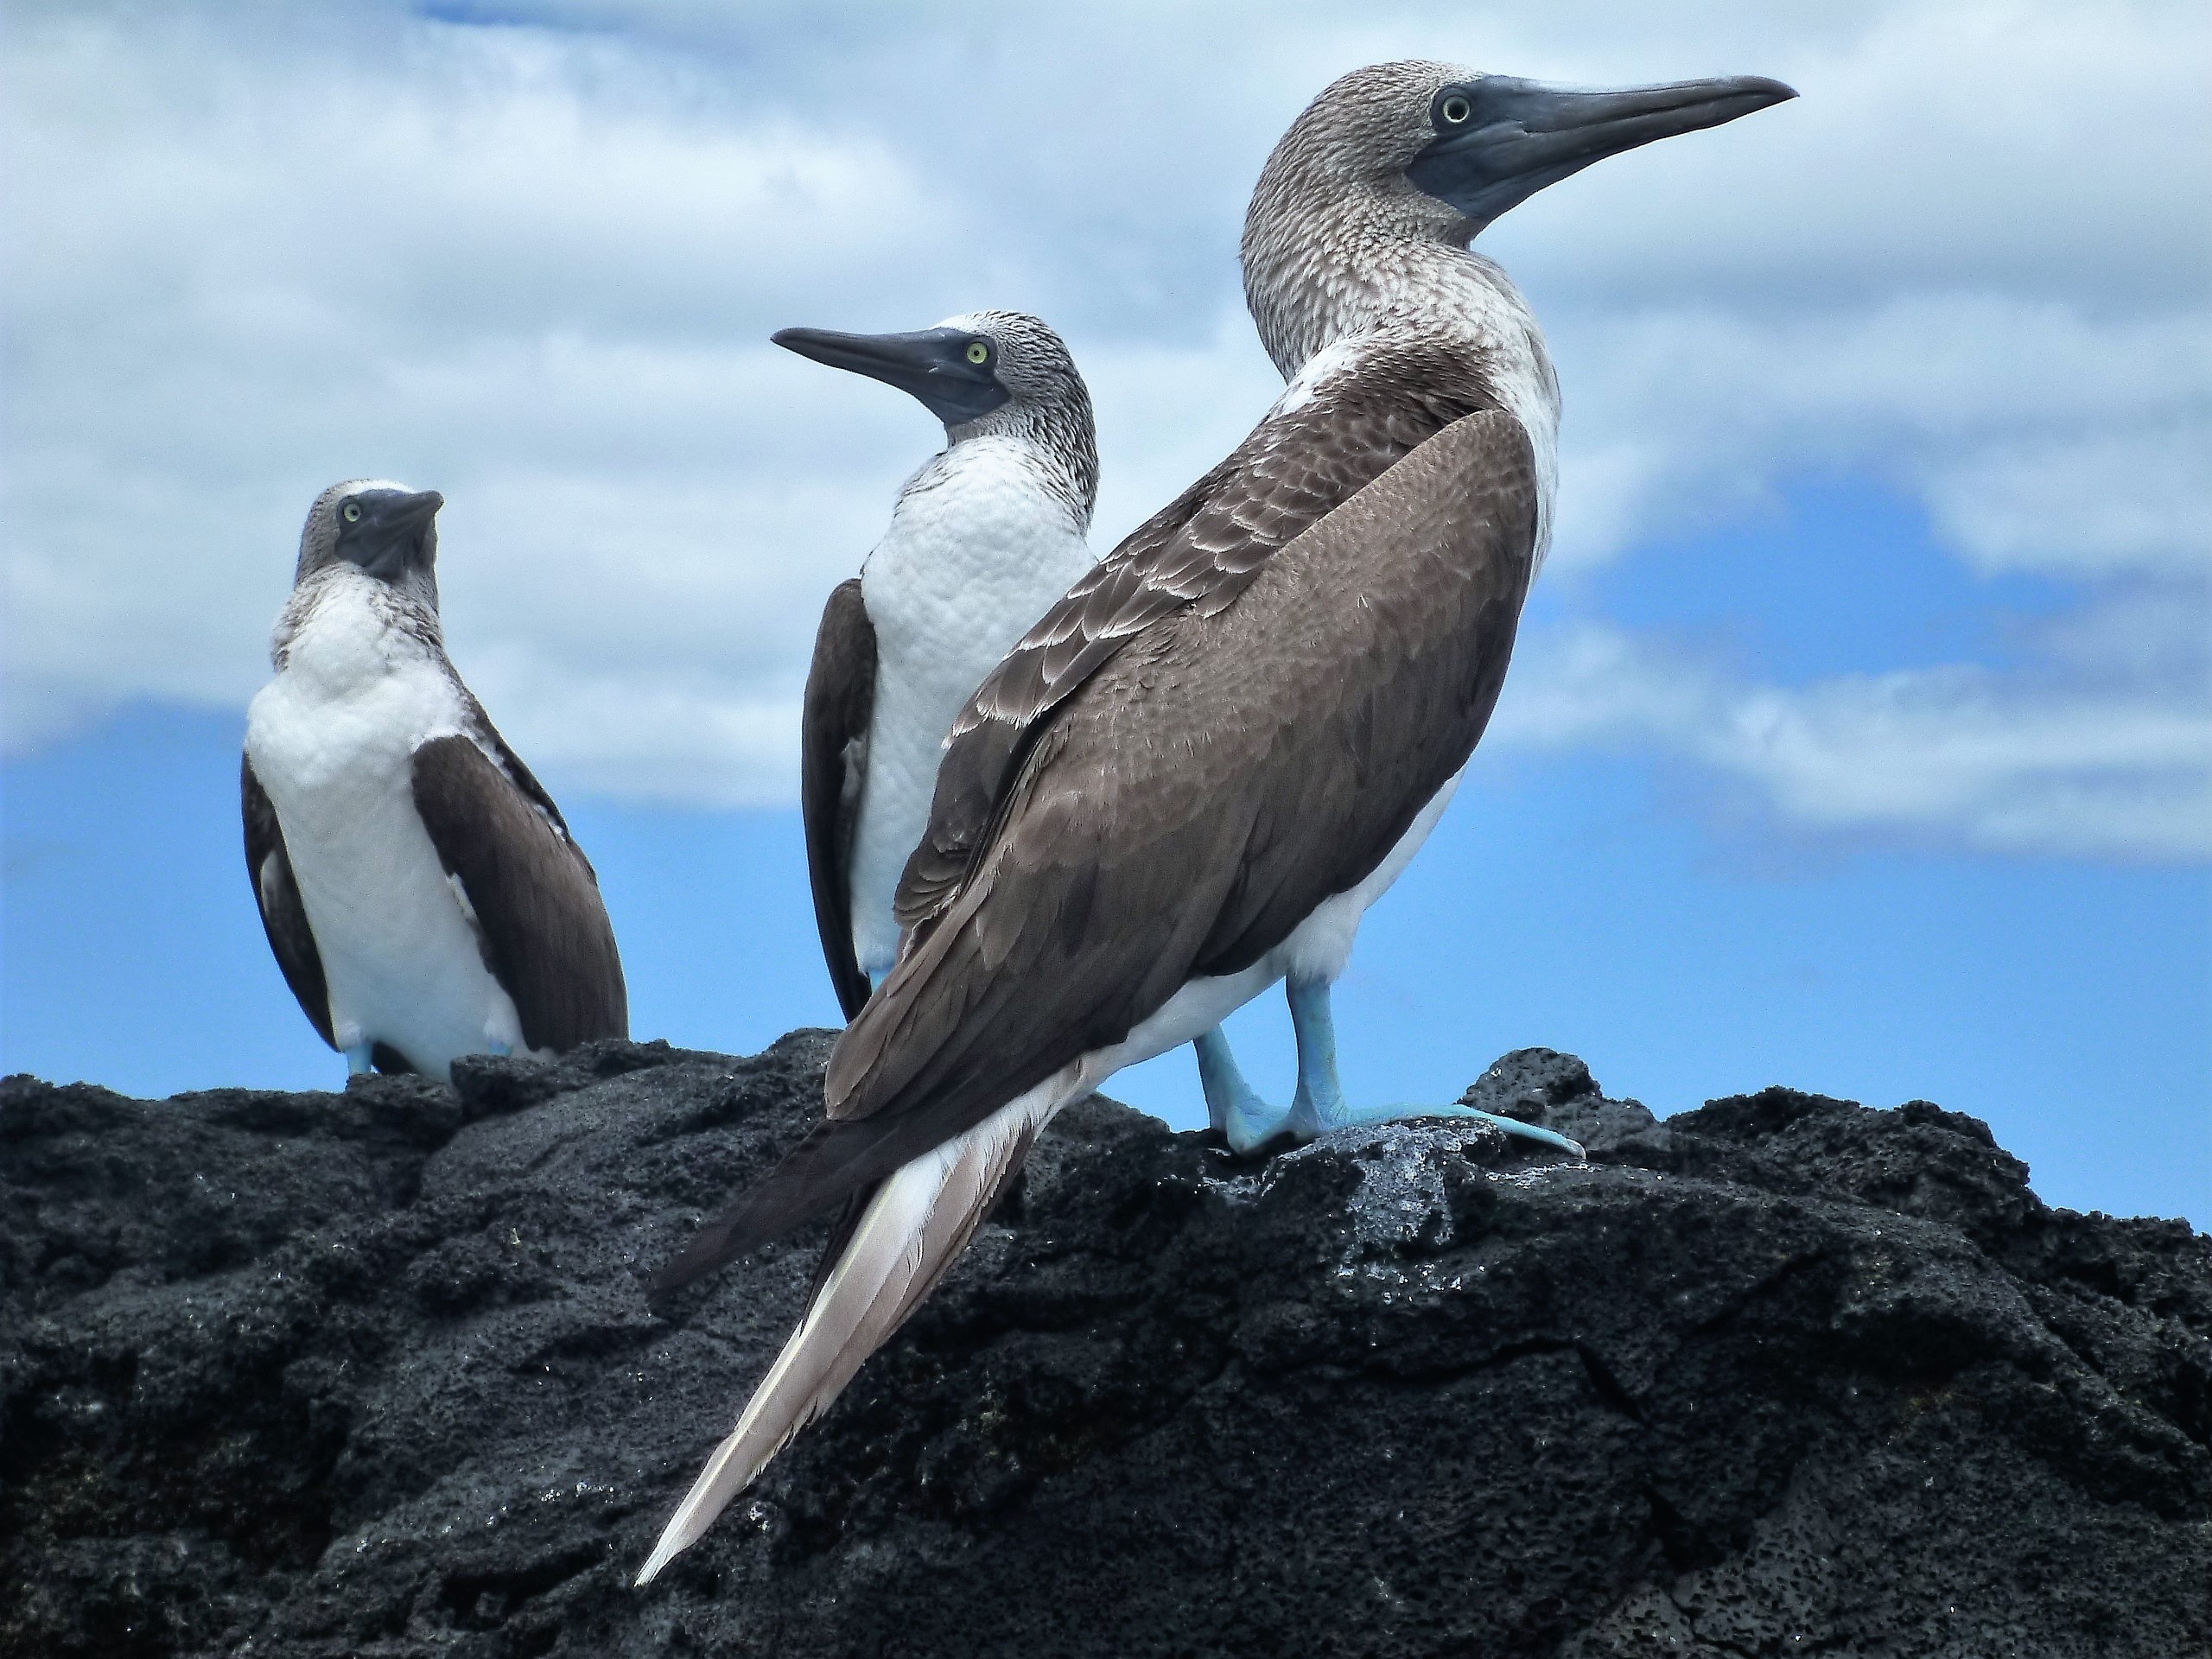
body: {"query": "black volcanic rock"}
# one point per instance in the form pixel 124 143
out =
pixel 372 1374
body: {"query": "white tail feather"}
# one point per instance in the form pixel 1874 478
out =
pixel 917 1222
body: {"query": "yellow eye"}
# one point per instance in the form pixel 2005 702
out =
pixel 352 513
pixel 978 352
pixel 1457 109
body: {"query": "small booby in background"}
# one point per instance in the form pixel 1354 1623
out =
pixel 983 538
pixel 1196 772
pixel 421 892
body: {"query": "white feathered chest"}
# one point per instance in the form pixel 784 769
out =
pixel 980 546
pixel 332 738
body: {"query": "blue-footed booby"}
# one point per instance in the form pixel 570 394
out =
pixel 421 892
pixel 1194 774
pixel 983 538
pixel 987 534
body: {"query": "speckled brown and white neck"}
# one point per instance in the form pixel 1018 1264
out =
pixel 402 612
pixel 1047 420
pixel 1053 441
pixel 1333 258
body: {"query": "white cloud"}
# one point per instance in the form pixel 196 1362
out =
pixel 253 250
pixel 2105 766
pixel 530 271
pixel 2039 435
pixel 2059 501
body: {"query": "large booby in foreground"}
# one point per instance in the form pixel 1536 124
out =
pixel 421 892
pixel 986 536
pixel 1195 773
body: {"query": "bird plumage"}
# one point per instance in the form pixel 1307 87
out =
pixel 1117 870
pixel 1194 773
pixel 985 536
pixel 420 889
pixel 834 716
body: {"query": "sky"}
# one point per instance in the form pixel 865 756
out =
pixel 1859 737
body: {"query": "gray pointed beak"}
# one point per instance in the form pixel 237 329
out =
pixel 1501 139
pixel 931 365
pixel 395 532
pixel 413 512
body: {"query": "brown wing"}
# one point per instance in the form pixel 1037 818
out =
pixel 284 916
pixel 1197 553
pixel 833 737
pixel 546 937
pixel 519 775
pixel 1143 844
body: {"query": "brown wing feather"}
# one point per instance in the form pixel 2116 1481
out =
pixel 1142 846
pixel 1197 553
pixel 481 726
pixel 840 699
pixel 277 893
pixel 547 940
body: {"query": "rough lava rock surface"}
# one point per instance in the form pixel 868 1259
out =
pixel 372 1374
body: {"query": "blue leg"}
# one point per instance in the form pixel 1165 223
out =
pixel 1233 1106
pixel 357 1059
pixel 1319 1104
pixel 495 1048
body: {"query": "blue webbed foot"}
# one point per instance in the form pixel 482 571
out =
pixel 1353 1117
pixel 357 1059
pixel 1233 1106
pixel 1320 1105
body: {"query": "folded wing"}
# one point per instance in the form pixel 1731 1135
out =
pixel 1199 552
pixel 546 937
pixel 277 893
pixel 833 741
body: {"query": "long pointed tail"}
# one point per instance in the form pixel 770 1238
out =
pixel 919 1220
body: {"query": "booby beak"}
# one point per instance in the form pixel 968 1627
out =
pixel 938 365
pixel 1500 139
pixel 392 531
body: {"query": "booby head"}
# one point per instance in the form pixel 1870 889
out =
pixel 1456 148
pixel 1420 152
pixel 984 374
pixel 386 529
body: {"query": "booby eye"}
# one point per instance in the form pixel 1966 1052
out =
pixel 1456 109
pixel 978 352
pixel 351 513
